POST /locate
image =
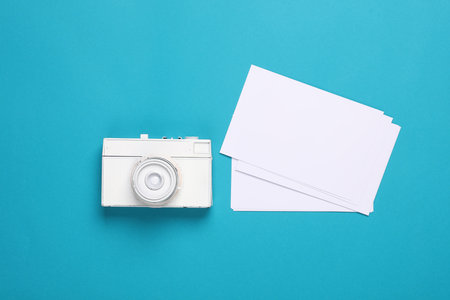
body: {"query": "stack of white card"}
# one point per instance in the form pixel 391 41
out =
pixel 298 148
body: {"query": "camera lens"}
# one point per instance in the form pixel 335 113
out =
pixel 155 180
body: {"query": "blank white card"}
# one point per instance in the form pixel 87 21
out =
pixel 310 141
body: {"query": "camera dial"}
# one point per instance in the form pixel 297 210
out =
pixel 154 180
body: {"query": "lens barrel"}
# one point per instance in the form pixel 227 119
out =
pixel 154 180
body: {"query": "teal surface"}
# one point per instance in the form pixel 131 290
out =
pixel 74 72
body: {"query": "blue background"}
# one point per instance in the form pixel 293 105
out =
pixel 74 72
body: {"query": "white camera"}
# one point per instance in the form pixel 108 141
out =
pixel 156 172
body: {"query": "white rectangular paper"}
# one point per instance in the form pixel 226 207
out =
pixel 307 135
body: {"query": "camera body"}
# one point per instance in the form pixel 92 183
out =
pixel 156 172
